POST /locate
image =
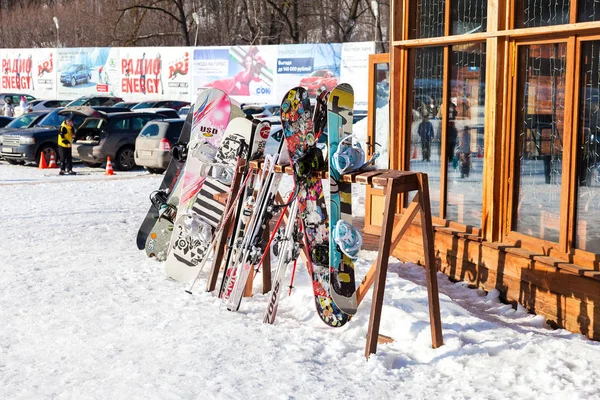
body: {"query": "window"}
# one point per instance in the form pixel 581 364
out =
pixel 429 21
pixel 117 125
pixel 150 130
pixel 535 13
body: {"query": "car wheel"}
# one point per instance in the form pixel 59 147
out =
pixel 73 81
pixel 92 164
pixel 125 160
pixel 155 170
pixel 47 151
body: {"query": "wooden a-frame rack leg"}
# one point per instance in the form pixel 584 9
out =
pixel 395 183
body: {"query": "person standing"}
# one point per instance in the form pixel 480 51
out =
pixel 9 110
pixel 65 137
pixel 425 131
pixel 24 105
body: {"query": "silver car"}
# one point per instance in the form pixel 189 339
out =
pixel 154 142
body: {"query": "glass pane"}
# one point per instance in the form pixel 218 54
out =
pixel 425 121
pixel 588 10
pixel 382 115
pixel 465 133
pixel 468 16
pixel 543 13
pixel 429 21
pixel 540 126
pixel 587 232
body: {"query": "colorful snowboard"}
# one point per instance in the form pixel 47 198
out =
pixel 301 141
pixel 339 120
pixel 168 183
pixel 195 226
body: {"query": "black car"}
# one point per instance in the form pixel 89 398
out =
pixel 174 104
pixel 95 101
pixel 26 145
pixel 5 121
pixel 23 121
pixel 104 135
pixel 127 104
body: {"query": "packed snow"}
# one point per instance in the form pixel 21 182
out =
pixel 85 315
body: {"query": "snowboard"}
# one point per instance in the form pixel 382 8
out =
pixel 195 226
pixel 312 207
pixel 168 183
pixel 339 120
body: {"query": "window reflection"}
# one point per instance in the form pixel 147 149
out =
pixel 540 126
pixel 587 233
pixel 382 114
pixel 468 16
pixel 588 11
pixel 425 120
pixel 429 21
pixel 465 134
pixel 543 13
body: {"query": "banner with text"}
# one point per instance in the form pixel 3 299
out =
pixel 243 72
pixel 313 66
pixel 18 71
pixel 355 70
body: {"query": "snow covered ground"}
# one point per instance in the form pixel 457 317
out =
pixel 85 315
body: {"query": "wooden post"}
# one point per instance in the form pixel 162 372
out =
pixel 430 267
pixel 382 265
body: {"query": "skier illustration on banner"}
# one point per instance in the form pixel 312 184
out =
pixel 239 85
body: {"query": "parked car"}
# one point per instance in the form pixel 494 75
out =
pixel 74 74
pixel 154 142
pixel 164 112
pixel 174 104
pixel 48 105
pixel 5 121
pixel 183 111
pixel 15 98
pixel 318 81
pixel 24 121
pixel 127 104
pixel 108 135
pixel 26 145
pixel 95 101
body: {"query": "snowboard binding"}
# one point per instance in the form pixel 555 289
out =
pixel 320 255
pixel 350 157
pixel 179 152
pixel 159 198
pixel 347 238
pixel 312 160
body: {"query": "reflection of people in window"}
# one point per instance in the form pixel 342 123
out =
pixel 240 84
pixel 464 147
pixel 425 131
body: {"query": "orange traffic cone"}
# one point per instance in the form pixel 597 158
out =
pixel 52 161
pixel 414 154
pixel 43 164
pixel 109 167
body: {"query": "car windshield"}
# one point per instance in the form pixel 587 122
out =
pixel 52 119
pixel 145 104
pixel 23 121
pixel 72 68
pixel 78 102
pixel 319 73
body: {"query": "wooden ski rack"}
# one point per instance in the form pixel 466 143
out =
pixel 394 183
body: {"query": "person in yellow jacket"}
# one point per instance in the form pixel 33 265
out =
pixel 65 138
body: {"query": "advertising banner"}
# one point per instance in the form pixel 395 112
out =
pixel 154 73
pixel 313 66
pixel 44 74
pixel 85 71
pixel 355 70
pixel 243 72
pixel 17 71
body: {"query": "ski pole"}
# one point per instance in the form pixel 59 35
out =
pixel 223 223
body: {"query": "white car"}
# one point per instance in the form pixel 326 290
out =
pixel 46 105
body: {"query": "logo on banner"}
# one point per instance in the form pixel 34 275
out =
pixel 179 69
pixel 45 67
pixel 17 73
pixel 141 75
